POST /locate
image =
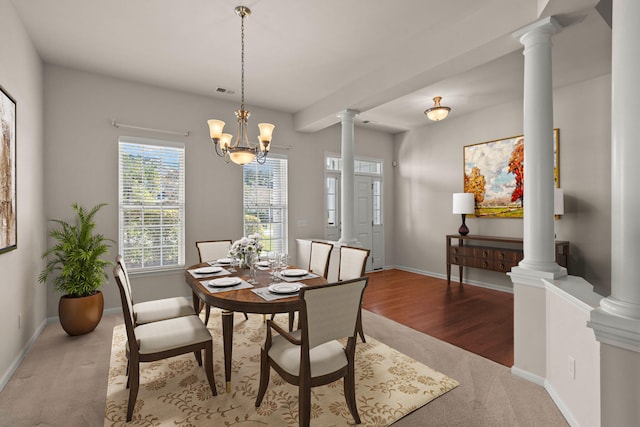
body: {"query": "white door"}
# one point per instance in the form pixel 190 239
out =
pixel 368 215
pixel 364 211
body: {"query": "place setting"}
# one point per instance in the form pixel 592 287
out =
pixel 208 271
pixel 224 284
pixel 294 274
pixel 279 290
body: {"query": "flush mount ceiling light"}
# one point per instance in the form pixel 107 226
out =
pixel 437 112
pixel 241 151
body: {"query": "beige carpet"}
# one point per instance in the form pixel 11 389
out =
pixel 389 385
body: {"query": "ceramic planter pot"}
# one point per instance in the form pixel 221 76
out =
pixel 80 315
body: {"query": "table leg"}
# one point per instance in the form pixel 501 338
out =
pixel 196 303
pixel 448 274
pixel 227 339
pixel 460 271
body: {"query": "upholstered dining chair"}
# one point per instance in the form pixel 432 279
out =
pixel 318 264
pixel 353 262
pixel 152 311
pixel 160 340
pixel 211 250
pixel 319 258
pixel 311 356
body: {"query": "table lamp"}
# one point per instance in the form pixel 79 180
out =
pixel 558 201
pixel 463 203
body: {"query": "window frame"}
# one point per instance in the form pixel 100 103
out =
pixel 270 209
pixel 154 146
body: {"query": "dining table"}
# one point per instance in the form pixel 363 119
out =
pixel 241 291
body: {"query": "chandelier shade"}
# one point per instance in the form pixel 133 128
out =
pixel 437 112
pixel 240 151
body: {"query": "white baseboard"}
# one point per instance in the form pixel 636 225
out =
pixel 16 362
pixel 566 413
pixel 536 379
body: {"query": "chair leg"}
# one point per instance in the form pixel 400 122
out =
pixel 359 326
pixel 292 317
pixel 207 314
pixel 133 390
pixel 198 356
pixel 208 366
pixel 264 377
pixel 127 373
pixel 350 393
pixel 245 316
pixel 304 404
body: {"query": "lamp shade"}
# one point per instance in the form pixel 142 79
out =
pixel 463 203
pixel 437 112
pixel 558 201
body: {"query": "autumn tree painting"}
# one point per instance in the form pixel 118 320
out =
pixel 516 167
pixel 494 173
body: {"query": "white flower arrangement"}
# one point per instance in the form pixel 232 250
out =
pixel 246 248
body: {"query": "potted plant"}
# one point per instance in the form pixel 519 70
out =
pixel 77 261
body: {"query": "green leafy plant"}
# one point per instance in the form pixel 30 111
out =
pixel 77 255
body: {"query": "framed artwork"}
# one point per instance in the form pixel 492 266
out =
pixel 494 173
pixel 8 228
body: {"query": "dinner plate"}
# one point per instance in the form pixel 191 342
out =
pixel 294 272
pixel 284 288
pixel 262 264
pixel 207 270
pixel 224 261
pixel 225 281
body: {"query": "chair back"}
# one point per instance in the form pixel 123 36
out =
pixel 319 258
pixel 127 306
pixel 353 262
pixel 209 250
pixel 127 282
pixel 343 299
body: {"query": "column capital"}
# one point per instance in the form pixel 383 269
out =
pixel 545 27
pixel 348 114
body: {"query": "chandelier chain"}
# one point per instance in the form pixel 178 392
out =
pixel 242 61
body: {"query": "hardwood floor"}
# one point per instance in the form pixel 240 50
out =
pixel 476 319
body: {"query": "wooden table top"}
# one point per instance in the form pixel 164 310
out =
pixel 243 300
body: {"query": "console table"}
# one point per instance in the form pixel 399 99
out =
pixel 492 253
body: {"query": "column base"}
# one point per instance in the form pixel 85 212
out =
pixel 525 274
pixel 621 308
pixel 614 329
pixel 349 241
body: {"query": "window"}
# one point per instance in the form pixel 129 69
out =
pixel 377 201
pixel 332 200
pixel 151 204
pixel 265 202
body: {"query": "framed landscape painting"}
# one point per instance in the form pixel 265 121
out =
pixel 494 173
pixel 8 229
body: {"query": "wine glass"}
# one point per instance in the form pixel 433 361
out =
pixel 274 263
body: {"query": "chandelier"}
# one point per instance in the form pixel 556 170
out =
pixel 437 112
pixel 241 151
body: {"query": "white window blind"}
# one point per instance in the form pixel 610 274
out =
pixel 151 204
pixel 266 202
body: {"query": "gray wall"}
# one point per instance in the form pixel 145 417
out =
pixel 82 165
pixel 430 169
pixel 22 296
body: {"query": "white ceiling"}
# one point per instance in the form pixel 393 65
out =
pixel 384 58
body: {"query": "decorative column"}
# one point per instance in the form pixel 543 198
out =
pixel 347 199
pixel 538 232
pixel 538 240
pixel 616 322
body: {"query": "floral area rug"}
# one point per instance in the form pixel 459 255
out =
pixel 174 392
